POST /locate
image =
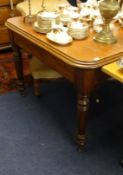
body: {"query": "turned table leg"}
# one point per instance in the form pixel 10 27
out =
pixel 18 63
pixel 19 69
pixel 84 85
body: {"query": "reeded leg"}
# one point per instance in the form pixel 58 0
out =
pixel 84 85
pixel 82 108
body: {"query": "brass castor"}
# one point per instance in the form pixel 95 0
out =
pixel 80 141
pixel 80 148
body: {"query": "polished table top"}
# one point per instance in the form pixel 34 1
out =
pixel 80 53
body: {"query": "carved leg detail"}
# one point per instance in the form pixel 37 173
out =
pixel 83 102
pixel 82 108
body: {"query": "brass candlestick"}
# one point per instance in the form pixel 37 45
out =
pixel 108 9
pixel 43 8
pixel 12 14
pixel 29 18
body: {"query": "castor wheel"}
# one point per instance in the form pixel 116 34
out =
pixel 97 100
pixel 80 148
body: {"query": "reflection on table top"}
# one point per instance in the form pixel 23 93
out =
pixel 81 53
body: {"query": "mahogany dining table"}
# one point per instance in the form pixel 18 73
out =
pixel 80 62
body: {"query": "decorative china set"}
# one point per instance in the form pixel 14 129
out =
pixel 70 22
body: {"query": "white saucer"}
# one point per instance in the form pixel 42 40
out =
pixel 54 38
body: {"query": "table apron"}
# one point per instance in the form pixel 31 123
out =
pixel 44 56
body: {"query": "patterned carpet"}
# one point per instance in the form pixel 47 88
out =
pixel 8 73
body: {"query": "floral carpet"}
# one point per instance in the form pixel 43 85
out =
pixel 8 72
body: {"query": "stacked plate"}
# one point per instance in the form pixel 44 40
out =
pixel 78 30
pixel 59 36
pixel 39 29
pixel 45 20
